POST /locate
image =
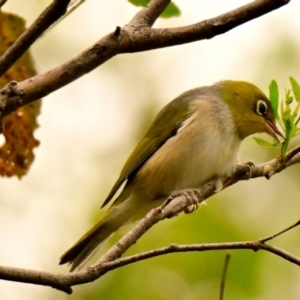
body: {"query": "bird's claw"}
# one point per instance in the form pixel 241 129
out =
pixel 250 165
pixel 192 196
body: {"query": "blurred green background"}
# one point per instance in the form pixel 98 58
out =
pixel 90 127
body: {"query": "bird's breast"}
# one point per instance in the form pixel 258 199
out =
pixel 204 148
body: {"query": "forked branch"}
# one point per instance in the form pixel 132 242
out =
pixel 137 36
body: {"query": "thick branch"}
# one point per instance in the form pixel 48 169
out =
pixel 15 95
pixel 34 277
pixel 131 38
pixel 50 15
pixel 207 29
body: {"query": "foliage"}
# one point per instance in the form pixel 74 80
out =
pixel 286 112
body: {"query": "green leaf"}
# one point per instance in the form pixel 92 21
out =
pixel 265 143
pixel 296 110
pixel 139 2
pixel 274 97
pixel 296 88
pixel 287 113
pixel 171 10
pixel 289 100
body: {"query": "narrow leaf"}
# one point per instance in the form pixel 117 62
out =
pixel 274 97
pixel 296 88
pixel 265 143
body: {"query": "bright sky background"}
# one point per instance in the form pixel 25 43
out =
pixel 94 118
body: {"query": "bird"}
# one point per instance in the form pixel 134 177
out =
pixel 195 138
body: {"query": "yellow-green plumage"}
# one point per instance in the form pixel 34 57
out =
pixel 193 139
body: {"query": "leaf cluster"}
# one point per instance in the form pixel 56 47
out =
pixel 286 113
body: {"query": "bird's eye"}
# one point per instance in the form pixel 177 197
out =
pixel 261 107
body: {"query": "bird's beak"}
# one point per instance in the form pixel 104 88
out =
pixel 272 130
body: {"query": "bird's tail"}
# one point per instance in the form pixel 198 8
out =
pixel 86 247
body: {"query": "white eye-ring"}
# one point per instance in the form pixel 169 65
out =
pixel 261 107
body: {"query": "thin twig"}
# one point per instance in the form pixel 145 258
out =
pixel 223 278
pixel 271 237
pixel 250 245
pixel 51 14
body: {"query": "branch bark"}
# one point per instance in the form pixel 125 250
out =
pixel 137 36
pixel 50 15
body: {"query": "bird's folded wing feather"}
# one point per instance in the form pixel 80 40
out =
pixel 171 119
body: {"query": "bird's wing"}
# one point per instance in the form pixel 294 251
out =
pixel 171 119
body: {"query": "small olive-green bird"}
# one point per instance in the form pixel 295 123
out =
pixel 195 138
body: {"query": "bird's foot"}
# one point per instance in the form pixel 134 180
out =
pixel 239 174
pixel 250 166
pixel 192 195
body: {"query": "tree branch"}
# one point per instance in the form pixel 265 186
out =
pixel 131 38
pixel 251 245
pixel 148 15
pixel 2 2
pixel 34 277
pixel 111 259
pixel 51 14
pixel 207 29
